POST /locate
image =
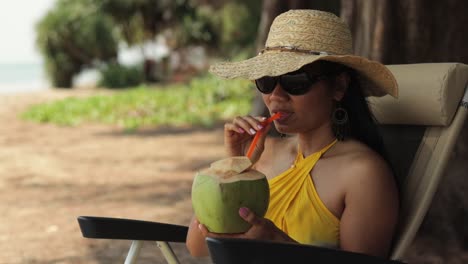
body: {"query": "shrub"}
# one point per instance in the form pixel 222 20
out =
pixel 73 36
pixel 204 101
pixel 119 76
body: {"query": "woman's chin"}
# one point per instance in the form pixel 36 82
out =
pixel 284 130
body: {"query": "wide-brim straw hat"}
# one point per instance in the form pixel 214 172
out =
pixel 300 37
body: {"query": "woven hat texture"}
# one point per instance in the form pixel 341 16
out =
pixel 300 37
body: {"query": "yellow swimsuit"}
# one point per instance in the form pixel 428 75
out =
pixel 296 208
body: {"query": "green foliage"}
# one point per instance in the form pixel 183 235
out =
pixel 238 27
pixel 229 27
pixel 114 75
pixel 125 19
pixel 73 36
pixel 203 101
pixel 80 34
pixel 142 20
pixel 197 27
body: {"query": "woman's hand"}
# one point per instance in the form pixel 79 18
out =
pixel 262 229
pixel 239 133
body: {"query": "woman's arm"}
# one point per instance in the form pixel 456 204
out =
pixel 196 240
pixel 371 209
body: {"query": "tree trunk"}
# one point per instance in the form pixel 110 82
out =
pixel 417 31
pixel 270 9
pixel 408 31
pixel 63 79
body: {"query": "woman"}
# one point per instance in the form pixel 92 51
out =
pixel 330 184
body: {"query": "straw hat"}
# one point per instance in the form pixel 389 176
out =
pixel 300 37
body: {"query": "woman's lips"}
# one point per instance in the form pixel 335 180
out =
pixel 283 115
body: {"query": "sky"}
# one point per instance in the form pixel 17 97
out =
pixel 17 29
pixel 20 61
pixel 17 33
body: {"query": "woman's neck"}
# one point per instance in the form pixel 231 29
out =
pixel 314 140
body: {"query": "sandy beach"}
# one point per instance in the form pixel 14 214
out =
pixel 49 175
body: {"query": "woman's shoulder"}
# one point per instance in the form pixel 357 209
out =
pixel 365 175
pixel 360 162
pixel 355 152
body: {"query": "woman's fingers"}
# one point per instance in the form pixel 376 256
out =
pixel 231 127
pixel 203 229
pixel 239 132
pixel 207 233
pixel 248 123
pixel 249 216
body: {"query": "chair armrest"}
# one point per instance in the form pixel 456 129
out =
pixel 246 251
pixel 128 229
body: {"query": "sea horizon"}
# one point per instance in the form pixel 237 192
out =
pixel 22 77
pixel 31 77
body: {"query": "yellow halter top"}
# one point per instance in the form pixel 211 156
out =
pixel 296 208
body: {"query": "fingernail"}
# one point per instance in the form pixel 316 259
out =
pixel 200 226
pixel 252 131
pixel 241 130
pixel 260 126
pixel 243 211
pixel 264 118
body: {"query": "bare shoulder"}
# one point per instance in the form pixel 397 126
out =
pixel 362 163
pixel 370 198
pixel 364 172
pixel 367 176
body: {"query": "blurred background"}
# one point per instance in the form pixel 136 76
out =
pixel 107 109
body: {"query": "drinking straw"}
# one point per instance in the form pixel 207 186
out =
pixel 257 136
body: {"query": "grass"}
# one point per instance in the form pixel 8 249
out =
pixel 202 102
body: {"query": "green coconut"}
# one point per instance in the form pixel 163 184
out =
pixel 227 185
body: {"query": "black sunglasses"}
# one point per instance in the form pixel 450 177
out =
pixel 298 83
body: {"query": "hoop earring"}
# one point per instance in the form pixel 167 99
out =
pixel 340 122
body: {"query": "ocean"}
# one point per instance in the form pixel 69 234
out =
pixel 22 77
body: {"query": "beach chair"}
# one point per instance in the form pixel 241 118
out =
pixel 420 129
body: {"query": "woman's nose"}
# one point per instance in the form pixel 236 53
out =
pixel 279 93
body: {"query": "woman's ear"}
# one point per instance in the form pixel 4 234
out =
pixel 342 83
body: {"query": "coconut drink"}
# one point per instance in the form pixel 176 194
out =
pixel 227 185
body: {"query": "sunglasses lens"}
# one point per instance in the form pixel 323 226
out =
pixel 296 84
pixel 266 84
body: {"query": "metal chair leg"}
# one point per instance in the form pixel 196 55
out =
pixel 167 252
pixel 133 252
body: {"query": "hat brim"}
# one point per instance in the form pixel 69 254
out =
pixel 375 78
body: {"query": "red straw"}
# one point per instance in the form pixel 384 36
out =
pixel 257 136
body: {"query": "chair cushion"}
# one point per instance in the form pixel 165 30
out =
pixel 429 94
